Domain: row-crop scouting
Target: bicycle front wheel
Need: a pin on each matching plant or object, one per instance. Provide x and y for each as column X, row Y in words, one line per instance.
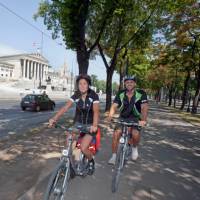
column 118, row 167
column 58, row 182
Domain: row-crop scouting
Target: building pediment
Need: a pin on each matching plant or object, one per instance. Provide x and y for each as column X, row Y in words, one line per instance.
column 38, row 56
column 34, row 56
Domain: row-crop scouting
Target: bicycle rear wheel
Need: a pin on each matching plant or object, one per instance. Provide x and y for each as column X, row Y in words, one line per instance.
column 118, row 168
column 58, row 182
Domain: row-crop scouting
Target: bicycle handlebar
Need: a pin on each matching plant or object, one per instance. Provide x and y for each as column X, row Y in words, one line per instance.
column 82, row 128
column 122, row 122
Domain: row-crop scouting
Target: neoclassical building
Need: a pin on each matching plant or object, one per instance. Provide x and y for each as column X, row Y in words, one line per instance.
column 30, row 71
column 6, row 70
column 27, row 66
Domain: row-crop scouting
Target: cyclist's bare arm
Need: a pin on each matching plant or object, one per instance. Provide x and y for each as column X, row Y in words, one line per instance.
column 112, row 110
column 60, row 113
column 95, row 117
column 144, row 113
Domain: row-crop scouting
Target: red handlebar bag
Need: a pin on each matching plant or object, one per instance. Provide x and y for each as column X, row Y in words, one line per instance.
column 95, row 144
column 98, row 139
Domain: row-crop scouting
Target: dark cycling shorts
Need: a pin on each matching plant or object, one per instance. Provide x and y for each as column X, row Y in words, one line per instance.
column 119, row 127
column 88, row 133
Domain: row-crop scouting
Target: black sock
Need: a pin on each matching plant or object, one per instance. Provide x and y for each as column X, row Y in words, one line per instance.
column 91, row 161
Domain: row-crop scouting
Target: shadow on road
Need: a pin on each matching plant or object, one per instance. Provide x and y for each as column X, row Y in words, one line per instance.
column 167, row 169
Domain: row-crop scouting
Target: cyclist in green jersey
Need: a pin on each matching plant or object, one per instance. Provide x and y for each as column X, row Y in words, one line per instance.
column 133, row 106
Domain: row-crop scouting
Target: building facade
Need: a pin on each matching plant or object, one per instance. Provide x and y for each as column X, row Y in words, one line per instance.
column 6, row 71
column 28, row 67
column 62, row 79
column 32, row 71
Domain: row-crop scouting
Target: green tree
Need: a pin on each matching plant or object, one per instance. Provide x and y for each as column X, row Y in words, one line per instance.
column 94, row 80
column 127, row 29
column 76, row 20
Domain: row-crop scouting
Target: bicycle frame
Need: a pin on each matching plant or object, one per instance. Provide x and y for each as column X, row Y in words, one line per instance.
column 121, row 153
column 123, row 141
column 78, row 167
column 58, row 182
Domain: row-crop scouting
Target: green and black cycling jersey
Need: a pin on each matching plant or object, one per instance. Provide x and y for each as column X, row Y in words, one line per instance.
column 132, row 109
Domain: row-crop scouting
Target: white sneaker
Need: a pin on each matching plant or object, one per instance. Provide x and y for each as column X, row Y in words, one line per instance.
column 134, row 153
column 112, row 159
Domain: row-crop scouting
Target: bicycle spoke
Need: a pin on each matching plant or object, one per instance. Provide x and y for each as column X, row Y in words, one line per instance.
column 117, row 169
column 58, row 182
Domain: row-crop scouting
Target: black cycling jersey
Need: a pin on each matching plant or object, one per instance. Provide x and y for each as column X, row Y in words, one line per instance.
column 132, row 109
column 84, row 109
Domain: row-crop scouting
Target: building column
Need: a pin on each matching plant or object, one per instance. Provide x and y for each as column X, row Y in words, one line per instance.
column 36, row 71
column 42, row 71
column 24, row 75
column 33, row 73
column 46, row 72
column 31, row 66
column 30, row 69
column 40, row 77
column 22, row 67
column 27, row 75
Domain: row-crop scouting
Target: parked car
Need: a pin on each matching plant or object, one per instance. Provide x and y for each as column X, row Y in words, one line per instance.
column 37, row 102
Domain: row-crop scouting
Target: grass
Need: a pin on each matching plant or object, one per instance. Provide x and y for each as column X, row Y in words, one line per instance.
column 187, row 116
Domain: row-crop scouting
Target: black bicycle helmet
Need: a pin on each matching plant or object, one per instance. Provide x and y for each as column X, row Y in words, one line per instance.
column 84, row 76
column 130, row 78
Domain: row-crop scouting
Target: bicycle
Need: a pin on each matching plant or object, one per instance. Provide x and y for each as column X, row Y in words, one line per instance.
column 123, row 152
column 68, row 167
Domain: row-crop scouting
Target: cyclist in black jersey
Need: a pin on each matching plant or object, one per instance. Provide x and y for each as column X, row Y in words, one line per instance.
column 87, row 113
column 133, row 106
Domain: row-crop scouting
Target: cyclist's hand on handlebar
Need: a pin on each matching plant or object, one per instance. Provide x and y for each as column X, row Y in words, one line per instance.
column 93, row 129
column 108, row 118
column 52, row 123
column 142, row 123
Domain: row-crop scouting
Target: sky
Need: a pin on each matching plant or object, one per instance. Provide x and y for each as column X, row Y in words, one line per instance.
column 16, row 37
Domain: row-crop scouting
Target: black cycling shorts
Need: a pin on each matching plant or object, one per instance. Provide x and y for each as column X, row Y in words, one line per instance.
column 92, row 134
column 119, row 126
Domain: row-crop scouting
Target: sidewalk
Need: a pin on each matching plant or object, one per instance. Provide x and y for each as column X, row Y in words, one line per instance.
column 168, row 167
column 187, row 116
column 26, row 160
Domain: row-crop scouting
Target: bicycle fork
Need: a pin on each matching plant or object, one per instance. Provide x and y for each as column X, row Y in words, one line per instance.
column 124, row 143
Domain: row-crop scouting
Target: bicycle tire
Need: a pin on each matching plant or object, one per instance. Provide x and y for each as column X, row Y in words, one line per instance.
column 117, row 169
column 59, row 178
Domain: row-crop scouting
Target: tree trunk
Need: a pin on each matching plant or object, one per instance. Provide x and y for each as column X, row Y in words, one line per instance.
column 121, row 76
column 189, row 100
column 175, row 95
column 197, row 94
column 110, row 72
column 83, row 59
column 166, row 94
column 81, row 49
column 170, row 95
column 185, row 90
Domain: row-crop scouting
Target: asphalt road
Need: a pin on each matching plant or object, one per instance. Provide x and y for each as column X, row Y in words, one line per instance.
column 167, row 169
column 15, row 121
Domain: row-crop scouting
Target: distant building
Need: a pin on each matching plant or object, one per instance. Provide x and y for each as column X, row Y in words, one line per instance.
column 27, row 67
column 31, row 71
column 61, row 79
column 6, row 70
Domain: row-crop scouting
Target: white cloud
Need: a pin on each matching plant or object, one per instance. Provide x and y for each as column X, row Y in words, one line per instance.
column 7, row 50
